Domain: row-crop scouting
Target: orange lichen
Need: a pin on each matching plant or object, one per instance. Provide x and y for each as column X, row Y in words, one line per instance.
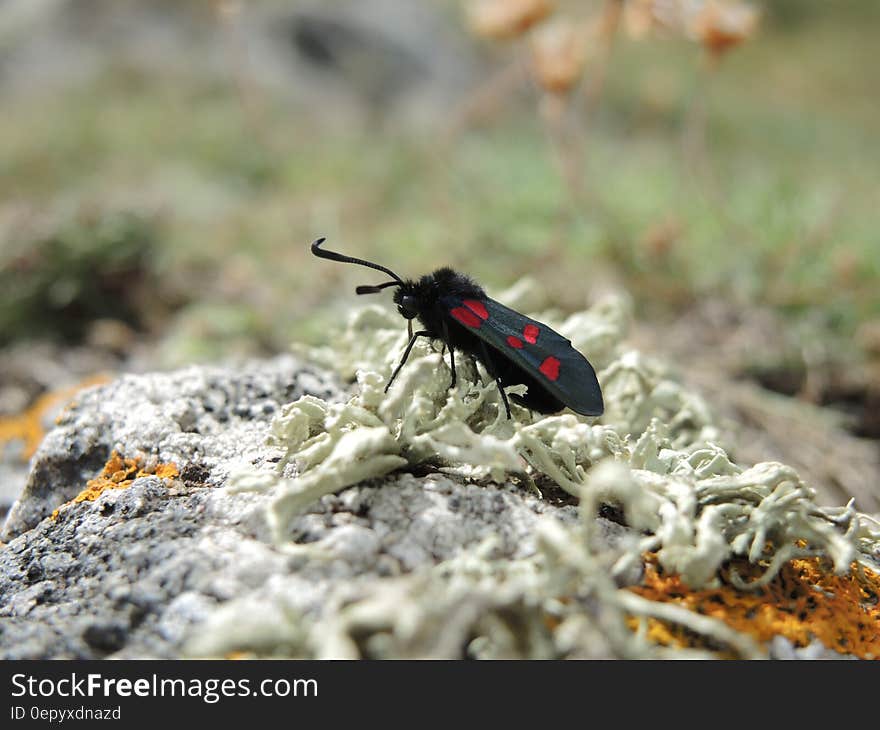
column 805, row 601
column 29, row 427
column 120, row 473
column 237, row 656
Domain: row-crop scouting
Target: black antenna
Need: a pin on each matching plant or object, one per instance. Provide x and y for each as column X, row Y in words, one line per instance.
column 333, row 256
column 364, row 289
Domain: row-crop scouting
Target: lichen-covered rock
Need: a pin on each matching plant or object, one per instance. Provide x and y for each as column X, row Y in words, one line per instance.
column 654, row 451
column 132, row 572
column 135, row 571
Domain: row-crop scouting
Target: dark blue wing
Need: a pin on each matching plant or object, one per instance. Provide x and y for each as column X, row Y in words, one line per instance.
column 546, row 355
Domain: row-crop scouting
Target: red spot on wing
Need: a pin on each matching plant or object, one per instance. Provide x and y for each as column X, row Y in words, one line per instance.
column 466, row 317
column 515, row 342
column 550, row 368
column 530, row 333
column 477, row 307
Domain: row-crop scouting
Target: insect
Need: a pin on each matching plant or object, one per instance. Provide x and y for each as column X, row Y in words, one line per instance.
column 514, row 349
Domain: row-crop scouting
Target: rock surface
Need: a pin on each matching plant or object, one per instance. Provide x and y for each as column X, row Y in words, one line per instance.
column 135, row 572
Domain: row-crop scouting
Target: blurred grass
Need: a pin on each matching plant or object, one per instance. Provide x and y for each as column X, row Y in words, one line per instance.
column 78, row 270
column 788, row 219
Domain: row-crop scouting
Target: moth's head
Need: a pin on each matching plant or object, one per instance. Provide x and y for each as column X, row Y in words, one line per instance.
column 407, row 302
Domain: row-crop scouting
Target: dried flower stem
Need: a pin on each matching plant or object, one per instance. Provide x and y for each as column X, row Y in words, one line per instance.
column 595, row 83
column 252, row 100
column 485, row 101
column 566, row 141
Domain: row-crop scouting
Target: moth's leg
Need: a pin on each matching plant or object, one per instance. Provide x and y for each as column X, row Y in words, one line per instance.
column 409, row 347
column 487, row 359
column 446, row 341
column 452, row 364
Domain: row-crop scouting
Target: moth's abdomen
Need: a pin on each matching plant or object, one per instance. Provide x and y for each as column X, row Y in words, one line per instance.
column 538, row 398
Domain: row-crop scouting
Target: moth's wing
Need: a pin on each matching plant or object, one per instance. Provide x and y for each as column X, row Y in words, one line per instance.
column 533, row 346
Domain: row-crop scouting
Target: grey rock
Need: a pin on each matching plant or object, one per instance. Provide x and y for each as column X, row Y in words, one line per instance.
column 203, row 419
column 28, row 370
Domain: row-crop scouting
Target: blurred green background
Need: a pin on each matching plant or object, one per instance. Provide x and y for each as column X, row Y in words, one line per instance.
column 164, row 166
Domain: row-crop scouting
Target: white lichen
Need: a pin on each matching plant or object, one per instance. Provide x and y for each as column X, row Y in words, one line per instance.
column 654, row 454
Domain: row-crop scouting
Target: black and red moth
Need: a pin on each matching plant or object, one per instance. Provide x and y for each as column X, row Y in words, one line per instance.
column 513, row 348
